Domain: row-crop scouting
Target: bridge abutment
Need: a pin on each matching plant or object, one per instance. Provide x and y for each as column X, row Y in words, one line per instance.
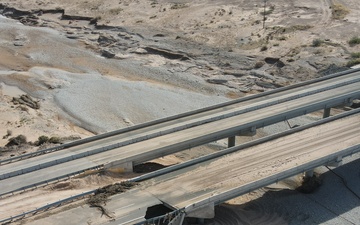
column 119, row 167
column 309, row 173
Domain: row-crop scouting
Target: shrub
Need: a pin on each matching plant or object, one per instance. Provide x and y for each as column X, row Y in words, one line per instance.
column 317, row 42
column 355, row 55
column 54, row 140
column 41, row 140
column 18, row 140
column 354, row 41
column 353, row 62
column 264, row 48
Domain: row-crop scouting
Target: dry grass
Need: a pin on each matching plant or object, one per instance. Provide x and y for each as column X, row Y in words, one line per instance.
column 339, row 11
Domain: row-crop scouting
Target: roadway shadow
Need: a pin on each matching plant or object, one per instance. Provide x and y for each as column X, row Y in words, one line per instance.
column 331, row 203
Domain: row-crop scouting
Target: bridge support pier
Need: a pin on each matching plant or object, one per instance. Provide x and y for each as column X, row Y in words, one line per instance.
column 336, row 163
column 309, row 173
column 326, row 112
column 248, row 132
column 231, row 141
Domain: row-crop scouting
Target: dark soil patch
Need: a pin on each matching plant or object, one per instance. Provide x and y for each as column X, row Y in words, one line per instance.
column 148, row 167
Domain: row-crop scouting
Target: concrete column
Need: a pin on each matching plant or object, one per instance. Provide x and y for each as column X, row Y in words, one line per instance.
column 326, row 112
column 231, row 142
column 309, row 173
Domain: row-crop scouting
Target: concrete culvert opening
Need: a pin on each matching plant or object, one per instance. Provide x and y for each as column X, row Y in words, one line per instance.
column 157, row 210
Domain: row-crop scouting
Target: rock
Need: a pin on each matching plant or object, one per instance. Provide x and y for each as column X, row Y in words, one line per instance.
column 105, row 40
column 333, row 68
column 26, row 100
column 261, row 74
column 274, row 61
column 107, row 53
column 139, row 51
column 159, row 35
column 259, row 64
column 124, row 35
column 169, row 54
column 234, row 73
column 265, row 84
column 217, row 81
column 19, row 43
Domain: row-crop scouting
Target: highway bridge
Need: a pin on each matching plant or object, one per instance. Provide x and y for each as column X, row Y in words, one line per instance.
column 134, row 145
column 194, row 191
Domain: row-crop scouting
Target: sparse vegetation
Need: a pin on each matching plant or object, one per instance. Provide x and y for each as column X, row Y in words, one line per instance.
column 353, row 62
column 339, row 11
column 354, row 41
column 355, row 55
column 41, row 140
column 317, row 42
column 300, row 27
column 54, row 140
column 355, row 59
column 178, row 6
column 18, row 140
column 8, row 134
column 115, row 11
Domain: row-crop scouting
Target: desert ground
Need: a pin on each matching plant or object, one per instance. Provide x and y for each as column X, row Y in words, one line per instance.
column 72, row 69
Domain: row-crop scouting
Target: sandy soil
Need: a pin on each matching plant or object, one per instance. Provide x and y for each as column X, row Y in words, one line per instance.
column 146, row 59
